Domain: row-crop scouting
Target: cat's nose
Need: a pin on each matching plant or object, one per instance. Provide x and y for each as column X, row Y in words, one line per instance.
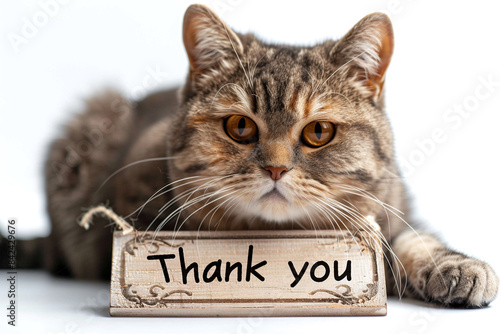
column 276, row 172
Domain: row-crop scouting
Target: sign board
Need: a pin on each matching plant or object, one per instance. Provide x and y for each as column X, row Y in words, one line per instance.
column 247, row 273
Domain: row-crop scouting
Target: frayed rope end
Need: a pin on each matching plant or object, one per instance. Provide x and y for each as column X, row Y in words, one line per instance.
column 106, row 213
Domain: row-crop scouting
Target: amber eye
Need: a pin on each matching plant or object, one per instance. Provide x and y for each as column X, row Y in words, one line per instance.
column 241, row 129
column 318, row 133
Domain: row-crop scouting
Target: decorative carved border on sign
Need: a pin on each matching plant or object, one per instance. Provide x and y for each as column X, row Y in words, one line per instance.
column 153, row 244
column 132, row 295
column 346, row 297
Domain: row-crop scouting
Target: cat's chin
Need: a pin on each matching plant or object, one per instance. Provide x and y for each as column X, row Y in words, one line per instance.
column 274, row 207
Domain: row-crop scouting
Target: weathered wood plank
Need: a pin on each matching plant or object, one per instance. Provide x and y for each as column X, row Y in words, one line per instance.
column 247, row 273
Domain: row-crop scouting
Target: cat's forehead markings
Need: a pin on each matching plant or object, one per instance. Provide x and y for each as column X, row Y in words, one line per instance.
column 314, row 105
column 299, row 103
column 232, row 98
column 294, row 100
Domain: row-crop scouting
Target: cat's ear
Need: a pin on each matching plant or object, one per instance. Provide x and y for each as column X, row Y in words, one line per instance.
column 211, row 46
column 367, row 49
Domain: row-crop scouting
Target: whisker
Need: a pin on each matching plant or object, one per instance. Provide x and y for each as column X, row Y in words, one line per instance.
column 238, row 56
column 362, row 193
column 220, row 89
column 202, row 207
column 343, row 215
column 160, row 193
column 130, row 165
column 361, row 222
column 212, row 210
column 338, row 69
column 315, row 85
column 206, row 188
column 252, row 74
column 230, row 208
column 173, row 201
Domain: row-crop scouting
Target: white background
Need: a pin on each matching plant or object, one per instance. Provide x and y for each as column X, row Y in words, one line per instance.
column 443, row 51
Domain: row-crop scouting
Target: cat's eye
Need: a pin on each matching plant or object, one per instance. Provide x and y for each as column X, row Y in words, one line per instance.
column 241, row 129
column 318, row 133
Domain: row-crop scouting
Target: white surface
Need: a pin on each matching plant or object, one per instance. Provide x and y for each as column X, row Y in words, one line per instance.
column 442, row 50
column 49, row 305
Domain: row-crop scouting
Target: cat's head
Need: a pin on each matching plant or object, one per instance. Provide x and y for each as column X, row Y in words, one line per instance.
column 281, row 133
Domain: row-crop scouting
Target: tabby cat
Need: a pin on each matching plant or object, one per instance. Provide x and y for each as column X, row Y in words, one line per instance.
column 261, row 136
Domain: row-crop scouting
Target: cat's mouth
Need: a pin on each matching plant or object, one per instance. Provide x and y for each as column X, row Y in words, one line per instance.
column 274, row 195
column 276, row 206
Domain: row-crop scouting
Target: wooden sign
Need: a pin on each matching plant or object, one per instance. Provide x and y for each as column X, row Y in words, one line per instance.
column 247, row 273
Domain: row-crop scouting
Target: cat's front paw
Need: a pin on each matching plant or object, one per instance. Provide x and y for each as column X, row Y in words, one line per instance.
column 458, row 281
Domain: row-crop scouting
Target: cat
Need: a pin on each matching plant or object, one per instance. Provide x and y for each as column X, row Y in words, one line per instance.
column 261, row 136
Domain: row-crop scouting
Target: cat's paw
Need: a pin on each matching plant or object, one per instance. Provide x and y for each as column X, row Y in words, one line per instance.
column 459, row 281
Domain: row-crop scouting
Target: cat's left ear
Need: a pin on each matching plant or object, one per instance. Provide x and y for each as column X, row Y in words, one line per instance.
column 367, row 49
column 210, row 44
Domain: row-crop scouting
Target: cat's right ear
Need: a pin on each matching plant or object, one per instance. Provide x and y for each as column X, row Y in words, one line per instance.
column 211, row 46
column 367, row 49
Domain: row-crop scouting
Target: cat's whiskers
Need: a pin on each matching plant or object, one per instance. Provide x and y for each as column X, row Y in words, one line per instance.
column 310, row 219
column 203, row 187
column 351, row 214
column 359, row 221
column 130, row 165
column 338, row 69
column 339, row 94
column 396, row 212
column 249, row 79
column 221, row 88
column 174, row 200
column 242, row 205
column 352, row 209
column 330, row 214
column 206, row 187
column 250, row 83
column 160, row 193
column 229, row 209
column 252, row 74
column 316, row 85
column 194, row 201
column 232, row 204
column 298, row 223
column 373, row 197
column 213, row 211
column 335, row 212
column 222, row 190
column 235, row 104
column 322, row 210
column 366, row 194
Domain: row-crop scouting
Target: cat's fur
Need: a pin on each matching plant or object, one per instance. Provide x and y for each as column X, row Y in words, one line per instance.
column 282, row 89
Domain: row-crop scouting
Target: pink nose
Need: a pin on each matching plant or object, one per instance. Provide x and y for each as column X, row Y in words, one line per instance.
column 276, row 172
